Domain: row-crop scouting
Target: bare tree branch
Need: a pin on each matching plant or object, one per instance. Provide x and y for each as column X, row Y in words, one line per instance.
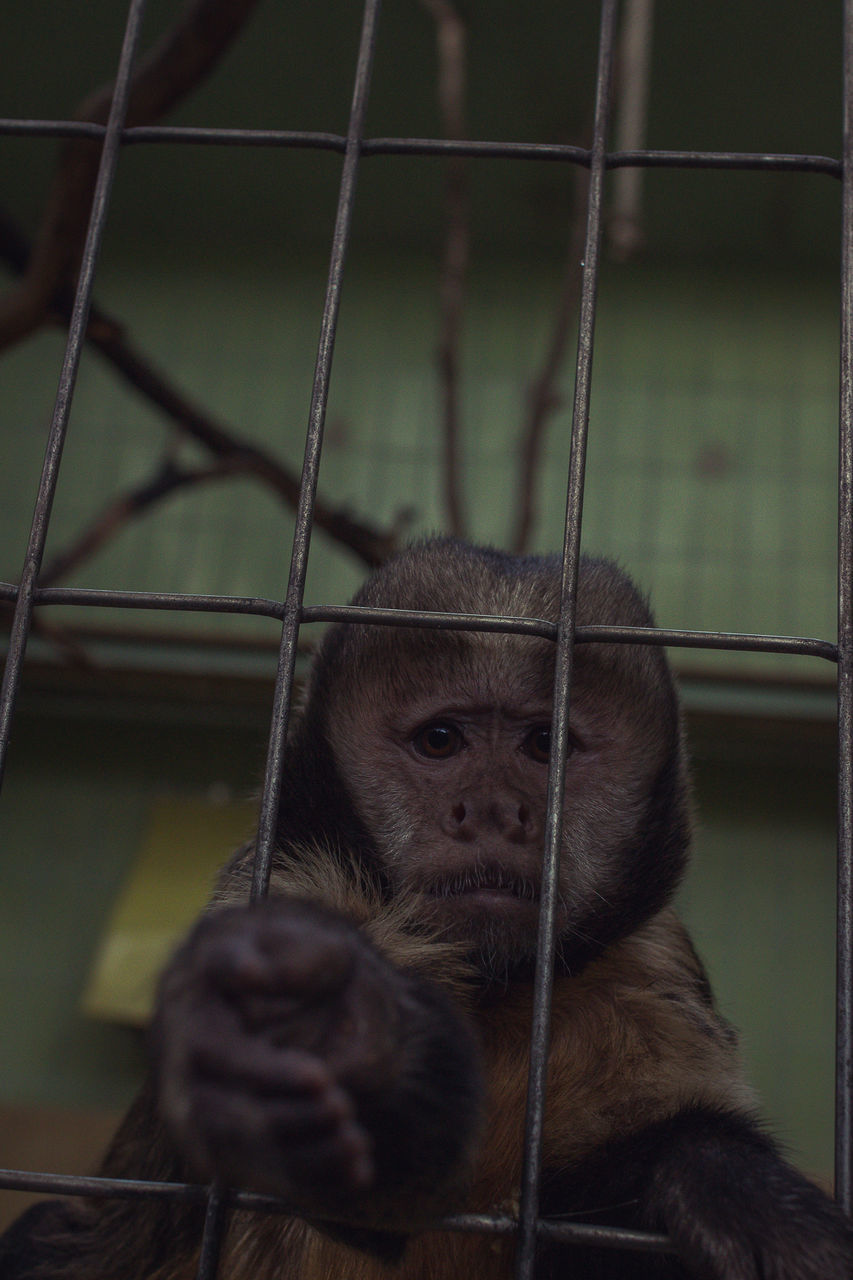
column 543, row 398
column 371, row 544
column 68, row 646
column 451, row 42
column 172, row 68
column 626, row 237
column 176, row 64
column 632, row 79
column 120, row 511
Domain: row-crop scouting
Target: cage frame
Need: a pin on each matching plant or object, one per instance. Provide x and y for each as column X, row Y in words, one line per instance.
column 26, row 596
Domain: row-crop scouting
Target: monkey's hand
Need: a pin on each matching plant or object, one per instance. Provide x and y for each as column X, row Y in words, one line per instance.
column 293, row 1059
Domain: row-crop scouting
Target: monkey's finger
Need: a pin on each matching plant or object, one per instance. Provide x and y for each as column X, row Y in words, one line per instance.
column 234, row 1114
column 261, row 1068
column 283, row 1145
column 278, row 956
column 343, row 1158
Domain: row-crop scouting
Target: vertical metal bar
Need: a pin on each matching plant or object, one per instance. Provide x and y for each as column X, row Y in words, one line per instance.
column 216, row 1218
column 22, row 619
column 214, row 1232
column 540, row 1031
column 844, row 1017
column 311, row 464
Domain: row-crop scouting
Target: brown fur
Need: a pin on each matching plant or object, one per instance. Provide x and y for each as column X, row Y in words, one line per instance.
column 634, row 1040
column 635, row 1037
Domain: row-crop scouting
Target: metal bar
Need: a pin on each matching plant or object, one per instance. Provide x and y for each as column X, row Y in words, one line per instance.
column 18, row 128
column 165, row 601
column 215, row 1220
column 257, row 606
column 66, row 1184
column 217, row 1208
column 540, row 1026
column 72, row 1184
column 68, row 376
column 844, row 1014
column 164, row 135
column 292, row 613
column 314, row 438
column 743, row 642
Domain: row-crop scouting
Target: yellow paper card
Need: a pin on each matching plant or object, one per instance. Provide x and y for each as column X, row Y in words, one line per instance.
column 169, row 883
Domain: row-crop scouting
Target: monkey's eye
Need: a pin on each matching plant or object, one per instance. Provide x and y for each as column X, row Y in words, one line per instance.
column 537, row 744
column 438, row 741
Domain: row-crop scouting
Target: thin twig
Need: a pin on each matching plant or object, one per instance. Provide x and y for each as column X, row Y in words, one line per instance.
column 632, row 79
column 451, row 43
column 371, row 544
column 176, row 65
column 121, row 510
column 625, row 235
column 543, row 397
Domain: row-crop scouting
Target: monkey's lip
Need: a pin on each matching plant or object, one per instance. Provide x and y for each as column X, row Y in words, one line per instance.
column 488, row 885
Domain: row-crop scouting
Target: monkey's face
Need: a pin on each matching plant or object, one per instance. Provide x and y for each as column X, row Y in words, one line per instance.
column 448, row 768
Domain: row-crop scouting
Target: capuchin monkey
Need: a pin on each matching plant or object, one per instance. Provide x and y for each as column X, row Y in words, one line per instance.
column 357, row 1044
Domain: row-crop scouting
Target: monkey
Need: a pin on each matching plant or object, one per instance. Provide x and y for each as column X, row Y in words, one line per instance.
column 357, row 1044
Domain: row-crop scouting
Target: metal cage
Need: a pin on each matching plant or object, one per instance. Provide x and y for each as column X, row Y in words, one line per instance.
column 27, row 595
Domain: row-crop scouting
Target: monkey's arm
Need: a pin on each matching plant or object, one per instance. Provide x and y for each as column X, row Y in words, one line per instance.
column 716, row 1184
column 294, row 1059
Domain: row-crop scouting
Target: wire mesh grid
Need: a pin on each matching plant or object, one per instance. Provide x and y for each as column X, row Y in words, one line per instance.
column 292, row 613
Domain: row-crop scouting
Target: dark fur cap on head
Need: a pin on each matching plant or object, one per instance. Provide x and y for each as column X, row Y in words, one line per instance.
column 446, row 575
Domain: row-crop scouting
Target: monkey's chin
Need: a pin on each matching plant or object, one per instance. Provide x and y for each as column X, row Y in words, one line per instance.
column 499, row 928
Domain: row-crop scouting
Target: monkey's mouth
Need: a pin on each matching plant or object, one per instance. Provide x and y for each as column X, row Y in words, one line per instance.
column 484, row 884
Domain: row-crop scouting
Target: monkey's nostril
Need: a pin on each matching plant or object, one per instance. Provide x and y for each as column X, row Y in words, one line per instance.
column 523, row 815
column 458, row 812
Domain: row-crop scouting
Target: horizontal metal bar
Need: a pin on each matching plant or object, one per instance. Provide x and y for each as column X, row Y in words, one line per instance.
column 743, row 642
column 472, row 148
column 739, row 642
column 429, row 619
column 562, row 1232
column 612, row 159
column 15, row 128
column 605, row 1237
column 66, row 1184
column 258, row 606
column 168, row 601
column 315, row 140
column 745, row 160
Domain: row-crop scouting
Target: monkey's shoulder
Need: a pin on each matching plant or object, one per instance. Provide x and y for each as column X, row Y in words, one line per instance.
column 634, row 1039
column 639, row 1034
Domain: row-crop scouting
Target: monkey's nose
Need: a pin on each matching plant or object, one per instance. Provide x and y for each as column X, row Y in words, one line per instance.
column 473, row 818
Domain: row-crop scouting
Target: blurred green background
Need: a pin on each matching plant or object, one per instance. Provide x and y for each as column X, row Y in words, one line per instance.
column 712, row 456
